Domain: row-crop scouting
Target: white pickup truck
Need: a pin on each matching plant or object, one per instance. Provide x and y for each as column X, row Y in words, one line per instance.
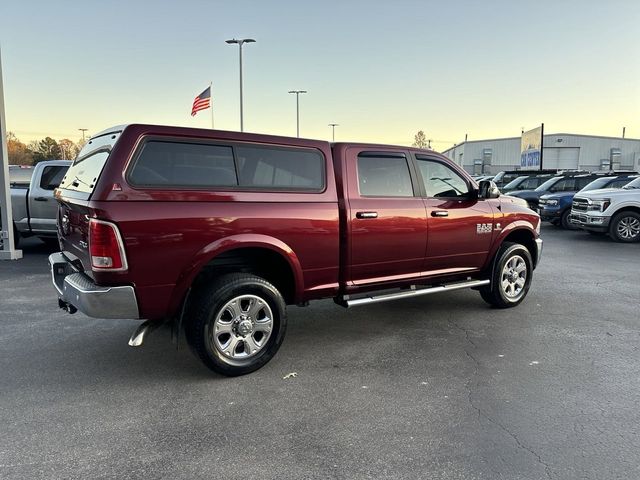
column 32, row 203
column 613, row 210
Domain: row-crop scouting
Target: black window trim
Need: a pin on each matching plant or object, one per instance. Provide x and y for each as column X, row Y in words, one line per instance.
column 390, row 154
column 431, row 158
column 143, row 140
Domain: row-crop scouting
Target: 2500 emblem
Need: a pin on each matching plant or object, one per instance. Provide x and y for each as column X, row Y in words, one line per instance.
column 484, row 227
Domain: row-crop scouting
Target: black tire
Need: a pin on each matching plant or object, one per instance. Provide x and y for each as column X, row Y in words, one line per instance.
column 495, row 294
column 565, row 220
column 211, row 307
column 625, row 227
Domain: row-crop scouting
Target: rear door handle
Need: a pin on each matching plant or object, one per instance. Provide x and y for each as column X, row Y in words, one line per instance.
column 439, row 213
column 367, row 215
column 41, row 199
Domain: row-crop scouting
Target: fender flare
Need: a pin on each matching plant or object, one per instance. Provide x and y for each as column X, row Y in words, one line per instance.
column 508, row 230
column 234, row 242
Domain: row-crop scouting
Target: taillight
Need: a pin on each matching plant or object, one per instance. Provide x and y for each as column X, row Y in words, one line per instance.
column 105, row 246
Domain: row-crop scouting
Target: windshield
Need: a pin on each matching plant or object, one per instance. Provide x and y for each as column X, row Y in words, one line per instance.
column 515, row 183
column 633, row 185
column 548, row 184
column 597, row 184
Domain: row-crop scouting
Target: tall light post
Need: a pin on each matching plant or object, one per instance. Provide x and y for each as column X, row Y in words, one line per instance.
column 297, row 92
column 333, row 131
column 241, row 42
column 83, row 130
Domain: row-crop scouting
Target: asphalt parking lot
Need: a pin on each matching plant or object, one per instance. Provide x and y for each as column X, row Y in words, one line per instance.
column 439, row 387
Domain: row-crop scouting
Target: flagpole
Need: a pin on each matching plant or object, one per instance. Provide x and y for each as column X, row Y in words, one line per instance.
column 211, row 104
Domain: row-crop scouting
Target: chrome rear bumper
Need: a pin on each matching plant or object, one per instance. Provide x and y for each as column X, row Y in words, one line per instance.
column 77, row 289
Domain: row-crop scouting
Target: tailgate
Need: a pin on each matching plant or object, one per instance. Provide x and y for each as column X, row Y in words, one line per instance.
column 73, row 232
column 74, row 194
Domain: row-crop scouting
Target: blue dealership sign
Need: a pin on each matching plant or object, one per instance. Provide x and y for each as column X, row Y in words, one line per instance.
column 530, row 159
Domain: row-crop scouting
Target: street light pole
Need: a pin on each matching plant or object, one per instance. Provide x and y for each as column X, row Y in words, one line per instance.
column 83, row 130
column 297, row 92
column 333, row 131
column 241, row 42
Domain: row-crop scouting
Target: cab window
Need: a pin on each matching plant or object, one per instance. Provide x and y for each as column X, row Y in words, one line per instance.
column 441, row 181
column 384, row 176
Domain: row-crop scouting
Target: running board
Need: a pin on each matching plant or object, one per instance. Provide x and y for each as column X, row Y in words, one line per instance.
column 346, row 301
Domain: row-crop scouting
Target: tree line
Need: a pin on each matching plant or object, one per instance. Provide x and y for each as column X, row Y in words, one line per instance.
column 39, row 150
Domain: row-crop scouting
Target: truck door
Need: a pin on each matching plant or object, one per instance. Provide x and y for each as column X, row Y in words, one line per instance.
column 43, row 208
column 460, row 225
column 387, row 231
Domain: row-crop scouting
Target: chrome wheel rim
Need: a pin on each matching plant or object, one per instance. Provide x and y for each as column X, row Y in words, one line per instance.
column 628, row 228
column 241, row 328
column 514, row 277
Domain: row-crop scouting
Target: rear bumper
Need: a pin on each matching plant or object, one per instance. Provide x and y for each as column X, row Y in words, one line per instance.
column 77, row 289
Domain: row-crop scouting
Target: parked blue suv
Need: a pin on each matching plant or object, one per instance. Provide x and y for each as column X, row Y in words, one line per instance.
column 556, row 207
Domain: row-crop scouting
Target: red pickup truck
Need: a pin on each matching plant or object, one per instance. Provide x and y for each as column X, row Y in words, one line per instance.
column 219, row 231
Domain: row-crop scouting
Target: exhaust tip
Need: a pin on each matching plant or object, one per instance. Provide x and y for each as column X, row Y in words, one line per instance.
column 140, row 333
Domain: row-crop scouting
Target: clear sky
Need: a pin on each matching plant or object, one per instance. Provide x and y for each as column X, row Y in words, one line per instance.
column 381, row 69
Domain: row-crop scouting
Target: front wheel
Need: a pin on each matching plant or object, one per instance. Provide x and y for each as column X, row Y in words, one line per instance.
column 565, row 220
column 625, row 227
column 237, row 324
column 511, row 276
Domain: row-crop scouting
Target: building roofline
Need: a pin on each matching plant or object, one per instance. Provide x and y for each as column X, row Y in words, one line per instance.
column 546, row 135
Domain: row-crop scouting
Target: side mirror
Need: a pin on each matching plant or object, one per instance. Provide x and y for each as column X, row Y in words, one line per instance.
column 488, row 189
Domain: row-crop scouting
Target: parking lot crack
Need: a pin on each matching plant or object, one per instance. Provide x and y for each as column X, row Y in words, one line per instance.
column 481, row 413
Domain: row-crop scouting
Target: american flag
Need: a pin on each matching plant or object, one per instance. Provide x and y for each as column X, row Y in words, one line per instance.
column 202, row 101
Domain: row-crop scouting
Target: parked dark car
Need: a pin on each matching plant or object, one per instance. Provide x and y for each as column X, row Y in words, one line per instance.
column 556, row 207
column 567, row 182
column 506, row 176
column 526, row 182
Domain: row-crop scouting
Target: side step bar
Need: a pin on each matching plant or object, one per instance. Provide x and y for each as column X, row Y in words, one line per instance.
column 347, row 302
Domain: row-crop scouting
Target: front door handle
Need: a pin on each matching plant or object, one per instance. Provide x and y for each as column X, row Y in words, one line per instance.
column 439, row 213
column 367, row 215
column 41, row 199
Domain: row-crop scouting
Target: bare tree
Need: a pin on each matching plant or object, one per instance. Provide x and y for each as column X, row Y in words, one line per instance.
column 420, row 140
column 68, row 149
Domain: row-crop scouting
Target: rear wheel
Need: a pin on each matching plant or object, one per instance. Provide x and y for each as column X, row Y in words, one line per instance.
column 625, row 227
column 236, row 324
column 511, row 277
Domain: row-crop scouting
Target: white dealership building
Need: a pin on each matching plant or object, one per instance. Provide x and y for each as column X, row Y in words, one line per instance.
column 561, row 150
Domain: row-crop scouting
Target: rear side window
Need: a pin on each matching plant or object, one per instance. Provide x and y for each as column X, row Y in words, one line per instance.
column 384, row 176
column 184, row 164
column 279, row 168
column 51, row 177
column 177, row 164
